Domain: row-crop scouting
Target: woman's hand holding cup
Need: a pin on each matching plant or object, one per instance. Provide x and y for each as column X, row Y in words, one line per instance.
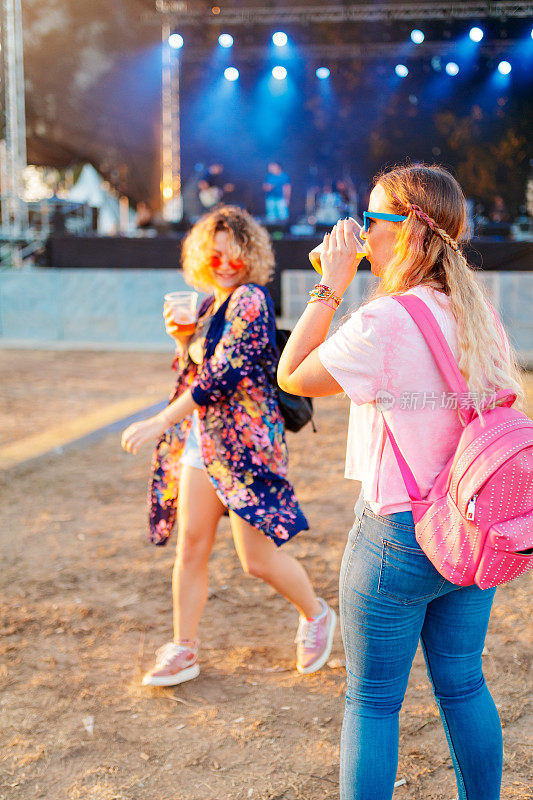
column 341, row 255
column 179, row 313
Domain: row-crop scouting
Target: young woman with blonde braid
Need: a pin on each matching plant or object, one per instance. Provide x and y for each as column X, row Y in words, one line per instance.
column 222, row 445
column 390, row 594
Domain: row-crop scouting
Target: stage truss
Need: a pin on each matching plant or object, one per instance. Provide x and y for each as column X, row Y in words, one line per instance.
column 171, row 198
column 13, row 147
column 189, row 14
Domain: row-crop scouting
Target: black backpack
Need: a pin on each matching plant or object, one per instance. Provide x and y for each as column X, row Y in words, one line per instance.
column 296, row 411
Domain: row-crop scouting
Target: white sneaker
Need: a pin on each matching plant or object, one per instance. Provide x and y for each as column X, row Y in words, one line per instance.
column 314, row 640
column 175, row 663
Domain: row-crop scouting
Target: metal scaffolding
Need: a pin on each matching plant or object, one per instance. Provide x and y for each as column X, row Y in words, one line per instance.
column 13, row 152
column 171, row 199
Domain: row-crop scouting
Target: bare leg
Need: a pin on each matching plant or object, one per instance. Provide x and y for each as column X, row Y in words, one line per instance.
column 199, row 511
column 260, row 557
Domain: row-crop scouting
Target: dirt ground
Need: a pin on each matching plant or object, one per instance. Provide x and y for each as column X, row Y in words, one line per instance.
column 86, row 600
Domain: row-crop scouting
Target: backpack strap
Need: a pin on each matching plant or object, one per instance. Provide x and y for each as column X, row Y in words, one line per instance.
column 408, row 478
column 430, row 330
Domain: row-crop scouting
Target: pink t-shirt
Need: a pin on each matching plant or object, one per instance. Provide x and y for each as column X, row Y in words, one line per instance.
column 380, row 358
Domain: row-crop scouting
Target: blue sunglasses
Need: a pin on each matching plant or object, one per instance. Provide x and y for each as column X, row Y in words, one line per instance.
column 368, row 215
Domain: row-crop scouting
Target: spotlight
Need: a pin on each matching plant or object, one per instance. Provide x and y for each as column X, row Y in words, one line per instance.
column 175, row 40
column 476, row 34
column 401, row 70
column 231, row 73
column 279, row 73
column 532, row 33
column 280, row 39
column 417, row 36
column 504, row 68
column 322, row 73
column 452, row 68
column 225, row 40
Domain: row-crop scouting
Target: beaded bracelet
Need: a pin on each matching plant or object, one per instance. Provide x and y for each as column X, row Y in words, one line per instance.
column 324, row 303
column 322, row 292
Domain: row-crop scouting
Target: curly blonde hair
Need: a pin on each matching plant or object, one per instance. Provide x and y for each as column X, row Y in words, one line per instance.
column 427, row 252
column 248, row 241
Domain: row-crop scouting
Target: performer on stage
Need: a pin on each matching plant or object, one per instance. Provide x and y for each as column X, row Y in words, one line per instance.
column 277, row 188
column 213, row 187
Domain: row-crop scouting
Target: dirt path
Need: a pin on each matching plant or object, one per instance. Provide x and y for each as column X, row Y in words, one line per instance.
column 86, row 599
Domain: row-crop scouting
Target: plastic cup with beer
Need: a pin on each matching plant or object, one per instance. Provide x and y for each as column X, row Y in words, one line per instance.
column 183, row 306
column 315, row 256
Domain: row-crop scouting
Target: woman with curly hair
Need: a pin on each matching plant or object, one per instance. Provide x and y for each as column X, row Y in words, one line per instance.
column 391, row 595
column 222, row 445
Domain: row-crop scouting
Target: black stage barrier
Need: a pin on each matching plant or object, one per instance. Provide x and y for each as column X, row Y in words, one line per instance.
column 162, row 252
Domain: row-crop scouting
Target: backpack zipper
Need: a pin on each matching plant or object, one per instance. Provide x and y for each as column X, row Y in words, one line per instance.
column 471, row 508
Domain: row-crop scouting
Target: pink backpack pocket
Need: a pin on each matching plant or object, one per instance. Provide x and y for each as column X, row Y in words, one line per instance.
column 504, row 556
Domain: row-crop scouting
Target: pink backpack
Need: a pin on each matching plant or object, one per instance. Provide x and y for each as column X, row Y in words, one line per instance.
column 476, row 524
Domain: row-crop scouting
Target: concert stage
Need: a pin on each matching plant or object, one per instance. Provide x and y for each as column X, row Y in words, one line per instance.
column 162, row 252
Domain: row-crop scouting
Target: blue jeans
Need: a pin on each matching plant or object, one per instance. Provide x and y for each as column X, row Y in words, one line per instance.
column 391, row 597
column 277, row 209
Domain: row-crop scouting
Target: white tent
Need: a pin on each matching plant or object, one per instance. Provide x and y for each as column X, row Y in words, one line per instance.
column 91, row 189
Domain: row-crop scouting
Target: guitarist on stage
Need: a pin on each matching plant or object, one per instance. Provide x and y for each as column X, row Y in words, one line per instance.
column 212, row 188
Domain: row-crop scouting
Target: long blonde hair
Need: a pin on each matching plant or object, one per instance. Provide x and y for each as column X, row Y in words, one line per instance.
column 249, row 241
column 427, row 252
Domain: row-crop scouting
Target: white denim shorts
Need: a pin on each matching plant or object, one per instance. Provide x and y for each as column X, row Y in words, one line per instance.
column 192, row 455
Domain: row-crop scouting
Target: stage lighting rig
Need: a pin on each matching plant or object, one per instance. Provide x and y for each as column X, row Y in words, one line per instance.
column 280, row 39
column 175, row 40
column 225, row 40
column 476, row 34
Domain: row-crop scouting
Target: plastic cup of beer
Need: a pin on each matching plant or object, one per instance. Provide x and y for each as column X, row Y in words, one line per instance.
column 315, row 256
column 183, row 305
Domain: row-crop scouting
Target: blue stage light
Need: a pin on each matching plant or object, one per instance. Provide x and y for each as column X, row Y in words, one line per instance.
column 175, row 40
column 279, row 73
column 504, row 68
column 452, row 68
column 280, row 39
column 231, row 73
column 401, row 70
column 532, row 33
column 225, row 40
column 417, row 36
column 476, row 34
column 322, row 73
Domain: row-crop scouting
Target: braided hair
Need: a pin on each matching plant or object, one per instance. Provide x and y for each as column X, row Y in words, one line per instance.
column 446, row 238
column 427, row 252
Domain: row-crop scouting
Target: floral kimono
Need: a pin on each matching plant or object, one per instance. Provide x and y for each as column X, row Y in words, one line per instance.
column 242, row 438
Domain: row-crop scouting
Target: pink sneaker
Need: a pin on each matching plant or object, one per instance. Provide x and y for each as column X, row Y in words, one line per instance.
column 314, row 640
column 175, row 663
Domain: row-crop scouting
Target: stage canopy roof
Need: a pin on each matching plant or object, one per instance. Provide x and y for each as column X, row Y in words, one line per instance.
column 93, row 69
